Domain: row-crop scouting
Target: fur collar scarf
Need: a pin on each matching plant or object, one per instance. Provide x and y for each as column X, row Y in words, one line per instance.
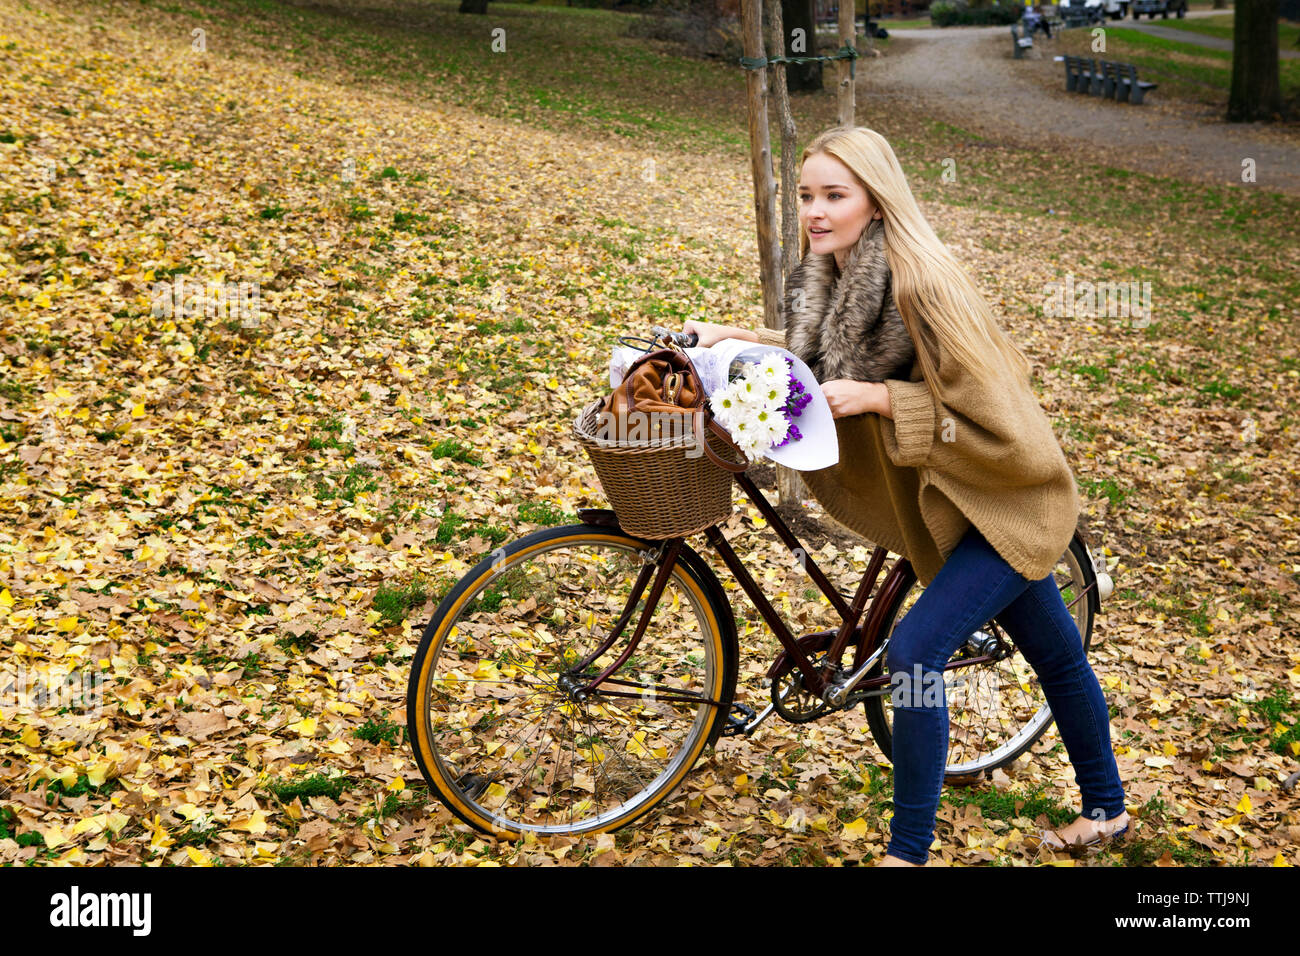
column 847, row 326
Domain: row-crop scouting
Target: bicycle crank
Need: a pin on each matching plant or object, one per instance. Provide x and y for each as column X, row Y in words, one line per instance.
column 793, row 702
column 789, row 697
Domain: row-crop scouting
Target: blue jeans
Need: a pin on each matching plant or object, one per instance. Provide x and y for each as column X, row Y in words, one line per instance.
column 974, row 585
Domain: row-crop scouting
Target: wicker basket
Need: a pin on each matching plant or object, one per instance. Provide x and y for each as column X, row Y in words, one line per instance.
column 663, row 488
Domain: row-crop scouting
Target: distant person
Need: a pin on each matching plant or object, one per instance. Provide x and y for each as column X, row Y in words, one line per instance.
column 1042, row 20
column 1034, row 20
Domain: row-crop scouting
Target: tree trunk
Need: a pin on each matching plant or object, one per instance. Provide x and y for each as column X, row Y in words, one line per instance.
column 798, row 15
column 789, row 486
column 1256, row 93
column 848, row 34
column 760, row 158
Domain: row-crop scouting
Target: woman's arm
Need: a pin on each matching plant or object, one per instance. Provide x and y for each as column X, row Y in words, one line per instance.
column 711, row 333
column 846, row 396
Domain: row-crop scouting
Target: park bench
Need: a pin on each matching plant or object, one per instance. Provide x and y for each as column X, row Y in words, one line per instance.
column 1020, row 41
column 1124, row 83
column 1079, row 73
column 1117, row 81
column 863, row 26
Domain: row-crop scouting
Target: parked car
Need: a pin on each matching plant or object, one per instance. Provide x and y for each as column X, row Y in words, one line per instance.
column 1094, row 11
column 1162, row 7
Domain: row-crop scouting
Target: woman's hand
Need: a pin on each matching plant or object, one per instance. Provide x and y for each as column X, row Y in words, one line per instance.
column 848, row 397
column 711, row 333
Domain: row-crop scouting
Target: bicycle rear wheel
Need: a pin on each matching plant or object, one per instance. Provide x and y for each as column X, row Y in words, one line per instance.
column 498, row 721
column 996, row 710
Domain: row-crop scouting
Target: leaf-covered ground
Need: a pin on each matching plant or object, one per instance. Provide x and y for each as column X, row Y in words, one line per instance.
column 241, row 524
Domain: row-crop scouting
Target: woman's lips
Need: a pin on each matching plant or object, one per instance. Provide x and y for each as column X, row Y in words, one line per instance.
column 817, row 232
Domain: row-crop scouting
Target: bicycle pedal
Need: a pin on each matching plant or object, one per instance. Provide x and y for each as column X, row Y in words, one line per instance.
column 738, row 719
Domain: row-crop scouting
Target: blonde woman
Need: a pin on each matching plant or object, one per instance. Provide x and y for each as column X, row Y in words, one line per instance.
column 946, row 457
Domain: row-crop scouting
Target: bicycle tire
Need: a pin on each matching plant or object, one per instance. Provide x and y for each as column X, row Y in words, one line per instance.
column 687, row 651
column 1076, row 565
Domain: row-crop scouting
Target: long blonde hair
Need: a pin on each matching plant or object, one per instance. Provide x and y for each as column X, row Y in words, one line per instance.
column 934, row 294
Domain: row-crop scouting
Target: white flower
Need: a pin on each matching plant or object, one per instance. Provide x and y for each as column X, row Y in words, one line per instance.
column 730, row 402
column 749, row 406
column 776, row 392
column 772, row 367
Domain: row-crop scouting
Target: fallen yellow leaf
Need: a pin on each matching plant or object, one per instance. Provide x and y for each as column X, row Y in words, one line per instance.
column 856, row 830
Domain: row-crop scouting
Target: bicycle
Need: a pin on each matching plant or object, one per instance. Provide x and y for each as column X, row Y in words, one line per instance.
column 527, row 712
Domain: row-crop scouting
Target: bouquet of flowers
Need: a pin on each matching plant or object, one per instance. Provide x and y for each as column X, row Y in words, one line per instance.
column 759, row 403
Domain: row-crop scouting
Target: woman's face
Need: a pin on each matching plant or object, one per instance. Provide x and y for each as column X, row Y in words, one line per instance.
column 832, row 199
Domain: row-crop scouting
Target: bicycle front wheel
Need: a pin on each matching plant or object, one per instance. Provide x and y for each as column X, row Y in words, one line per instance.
column 996, row 710
column 500, row 724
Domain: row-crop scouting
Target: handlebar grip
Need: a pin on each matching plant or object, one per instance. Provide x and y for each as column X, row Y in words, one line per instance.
column 684, row 339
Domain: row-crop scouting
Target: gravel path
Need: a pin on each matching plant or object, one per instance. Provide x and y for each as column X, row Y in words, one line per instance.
column 968, row 77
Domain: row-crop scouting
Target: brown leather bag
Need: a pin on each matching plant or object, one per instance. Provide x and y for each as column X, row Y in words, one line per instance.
column 664, row 387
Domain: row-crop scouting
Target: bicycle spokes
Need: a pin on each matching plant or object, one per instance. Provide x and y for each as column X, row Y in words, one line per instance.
column 524, row 733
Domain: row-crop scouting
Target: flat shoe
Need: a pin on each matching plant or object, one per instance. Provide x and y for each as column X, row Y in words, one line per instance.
column 1054, row 840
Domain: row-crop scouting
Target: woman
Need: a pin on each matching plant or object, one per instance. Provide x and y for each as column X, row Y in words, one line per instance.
column 945, row 457
column 1035, row 20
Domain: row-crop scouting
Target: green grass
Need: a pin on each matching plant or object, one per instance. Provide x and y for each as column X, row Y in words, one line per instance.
column 394, row 604
column 456, row 451
column 80, row 787
column 305, row 788
column 1221, row 26
column 327, row 435
column 1094, row 372
column 429, row 48
column 374, row 731
column 539, row 512
column 1279, row 708
column 1159, row 836
column 1103, row 488
column 346, row 485
column 1006, row 805
column 917, row 23
column 509, row 587
column 449, row 526
column 1141, row 201
column 9, row 830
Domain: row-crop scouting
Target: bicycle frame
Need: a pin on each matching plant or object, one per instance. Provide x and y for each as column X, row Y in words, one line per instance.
column 824, row 681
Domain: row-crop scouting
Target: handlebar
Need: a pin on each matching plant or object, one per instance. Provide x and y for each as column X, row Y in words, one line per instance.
column 660, row 338
column 684, row 339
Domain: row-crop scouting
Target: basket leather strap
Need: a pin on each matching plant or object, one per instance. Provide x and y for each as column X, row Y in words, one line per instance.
column 698, row 424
